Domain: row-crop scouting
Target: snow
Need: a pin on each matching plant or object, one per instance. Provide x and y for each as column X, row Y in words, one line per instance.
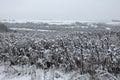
column 41, row 21
column 113, row 23
column 45, row 30
column 49, row 21
column 107, row 28
column 28, row 29
column 25, row 77
column 84, row 26
column 31, row 73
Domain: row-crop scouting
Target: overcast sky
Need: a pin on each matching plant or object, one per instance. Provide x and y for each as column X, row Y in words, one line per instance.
column 60, row 9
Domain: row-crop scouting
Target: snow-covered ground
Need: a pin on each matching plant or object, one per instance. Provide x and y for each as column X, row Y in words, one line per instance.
column 49, row 21
column 31, row 73
column 28, row 29
column 41, row 21
column 107, row 28
column 113, row 23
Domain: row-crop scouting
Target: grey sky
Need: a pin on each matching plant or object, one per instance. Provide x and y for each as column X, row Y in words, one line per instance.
column 60, row 9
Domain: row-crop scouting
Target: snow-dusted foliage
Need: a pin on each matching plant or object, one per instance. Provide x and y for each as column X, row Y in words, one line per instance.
column 89, row 55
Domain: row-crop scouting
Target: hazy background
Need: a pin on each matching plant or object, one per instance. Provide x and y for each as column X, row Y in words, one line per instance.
column 60, row 9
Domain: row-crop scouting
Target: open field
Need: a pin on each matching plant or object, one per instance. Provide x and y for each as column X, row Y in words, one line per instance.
column 76, row 51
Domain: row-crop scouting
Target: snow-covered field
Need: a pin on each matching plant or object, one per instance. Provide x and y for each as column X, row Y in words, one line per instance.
column 27, row 29
column 49, row 21
column 59, row 22
column 31, row 73
column 38, row 54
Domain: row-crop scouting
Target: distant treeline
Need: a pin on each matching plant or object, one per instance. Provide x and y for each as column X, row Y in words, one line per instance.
column 76, row 26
